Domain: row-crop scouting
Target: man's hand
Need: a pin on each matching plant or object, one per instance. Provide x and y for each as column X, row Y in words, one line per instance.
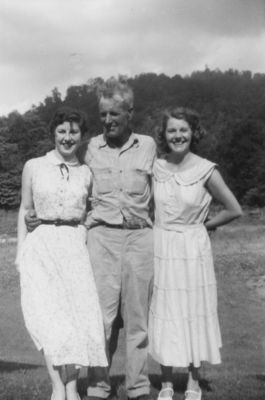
column 31, row 220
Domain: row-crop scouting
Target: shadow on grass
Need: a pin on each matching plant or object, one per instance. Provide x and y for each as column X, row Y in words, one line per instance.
column 118, row 384
column 116, row 381
column 9, row 366
column 260, row 377
column 179, row 381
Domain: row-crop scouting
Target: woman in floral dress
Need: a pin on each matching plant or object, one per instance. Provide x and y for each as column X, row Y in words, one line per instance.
column 58, row 294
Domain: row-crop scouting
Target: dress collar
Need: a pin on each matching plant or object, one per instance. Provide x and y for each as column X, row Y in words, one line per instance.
column 55, row 160
column 185, row 178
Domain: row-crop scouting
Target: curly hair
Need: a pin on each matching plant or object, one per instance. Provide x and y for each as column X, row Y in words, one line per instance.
column 116, row 87
column 188, row 115
column 68, row 114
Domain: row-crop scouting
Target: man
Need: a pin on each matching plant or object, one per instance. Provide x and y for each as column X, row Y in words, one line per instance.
column 120, row 239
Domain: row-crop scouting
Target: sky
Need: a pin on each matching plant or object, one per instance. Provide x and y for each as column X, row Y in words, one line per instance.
column 58, row 43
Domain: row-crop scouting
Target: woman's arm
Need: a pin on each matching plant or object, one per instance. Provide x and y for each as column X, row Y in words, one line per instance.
column 220, row 192
column 25, row 205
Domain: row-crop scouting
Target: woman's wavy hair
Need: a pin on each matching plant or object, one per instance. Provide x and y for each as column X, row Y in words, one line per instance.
column 188, row 115
column 68, row 114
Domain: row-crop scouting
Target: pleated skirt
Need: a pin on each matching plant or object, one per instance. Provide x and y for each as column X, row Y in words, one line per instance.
column 183, row 320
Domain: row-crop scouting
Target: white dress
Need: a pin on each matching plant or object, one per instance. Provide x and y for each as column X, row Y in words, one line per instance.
column 58, row 293
column 183, row 320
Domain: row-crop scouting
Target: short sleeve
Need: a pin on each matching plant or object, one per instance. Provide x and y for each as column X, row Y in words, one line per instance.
column 88, row 176
column 150, row 151
column 211, row 167
column 88, row 154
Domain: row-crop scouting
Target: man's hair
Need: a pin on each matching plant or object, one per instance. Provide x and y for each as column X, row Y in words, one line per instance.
column 113, row 87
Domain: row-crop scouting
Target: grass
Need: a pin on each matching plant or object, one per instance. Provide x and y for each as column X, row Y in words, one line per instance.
column 8, row 225
column 239, row 261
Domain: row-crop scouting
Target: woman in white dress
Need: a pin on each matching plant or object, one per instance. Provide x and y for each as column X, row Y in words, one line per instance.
column 183, row 324
column 58, row 294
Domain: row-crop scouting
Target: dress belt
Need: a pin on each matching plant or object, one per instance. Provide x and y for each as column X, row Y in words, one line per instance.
column 179, row 227
column 60, row 222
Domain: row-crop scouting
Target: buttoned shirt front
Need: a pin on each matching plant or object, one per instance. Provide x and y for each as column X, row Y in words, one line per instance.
column 121, row 189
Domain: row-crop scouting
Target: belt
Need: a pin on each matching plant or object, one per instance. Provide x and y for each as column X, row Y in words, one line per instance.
column 128, row 225
column 60, row 222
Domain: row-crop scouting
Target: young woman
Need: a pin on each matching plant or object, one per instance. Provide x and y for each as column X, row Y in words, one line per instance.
column 58, row 293
column 183, row 323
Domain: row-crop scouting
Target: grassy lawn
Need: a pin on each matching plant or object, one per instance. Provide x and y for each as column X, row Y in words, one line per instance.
column 239, row 251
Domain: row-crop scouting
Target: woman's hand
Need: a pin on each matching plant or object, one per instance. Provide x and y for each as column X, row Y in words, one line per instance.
column 210, row 229
column 31, row 220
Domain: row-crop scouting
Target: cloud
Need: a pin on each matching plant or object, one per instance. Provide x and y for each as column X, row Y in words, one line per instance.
column 48, row 43
column 219, row 18
column 244, row 51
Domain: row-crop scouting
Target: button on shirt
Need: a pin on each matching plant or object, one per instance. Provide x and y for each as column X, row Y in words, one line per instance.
column 121, row 180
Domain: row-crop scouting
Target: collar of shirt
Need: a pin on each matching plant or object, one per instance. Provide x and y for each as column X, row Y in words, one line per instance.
column 132, row 141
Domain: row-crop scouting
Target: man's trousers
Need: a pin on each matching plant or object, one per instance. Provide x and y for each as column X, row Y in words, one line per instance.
column 122, row 261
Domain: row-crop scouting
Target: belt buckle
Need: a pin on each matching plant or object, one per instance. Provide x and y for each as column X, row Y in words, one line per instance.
column 128, row 225
column 57, row 222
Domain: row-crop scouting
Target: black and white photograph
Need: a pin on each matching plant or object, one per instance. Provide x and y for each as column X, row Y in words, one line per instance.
column 132, row 200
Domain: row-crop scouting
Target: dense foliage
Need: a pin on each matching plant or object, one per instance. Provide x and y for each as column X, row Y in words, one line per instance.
column 231, row 103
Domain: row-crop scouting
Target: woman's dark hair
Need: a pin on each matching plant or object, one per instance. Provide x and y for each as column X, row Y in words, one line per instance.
column 188, row 115
column 68, row 114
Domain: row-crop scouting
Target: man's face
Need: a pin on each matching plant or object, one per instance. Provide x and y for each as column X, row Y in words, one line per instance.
column 114, row 116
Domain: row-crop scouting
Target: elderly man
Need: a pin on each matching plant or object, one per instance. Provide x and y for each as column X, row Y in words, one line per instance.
column 120, row 238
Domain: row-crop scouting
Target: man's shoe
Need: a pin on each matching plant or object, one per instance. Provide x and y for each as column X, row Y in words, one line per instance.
column 167, row 392
column 193, row 395
column 110, row 397
column 93, row 398
column 142, row 397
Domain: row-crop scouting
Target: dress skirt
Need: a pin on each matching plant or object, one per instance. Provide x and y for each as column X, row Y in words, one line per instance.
column 183, row 321
column 59, row 299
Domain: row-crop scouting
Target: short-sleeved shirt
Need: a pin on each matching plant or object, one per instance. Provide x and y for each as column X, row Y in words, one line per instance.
column 121, row 189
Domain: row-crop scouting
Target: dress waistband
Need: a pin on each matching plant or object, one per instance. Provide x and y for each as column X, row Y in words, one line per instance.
column 60, row 222
column 179, row 227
